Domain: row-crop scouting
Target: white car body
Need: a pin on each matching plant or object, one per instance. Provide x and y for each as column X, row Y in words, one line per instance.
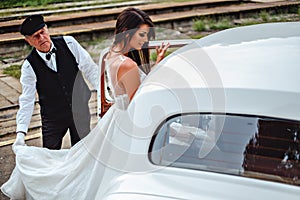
column 245, row 71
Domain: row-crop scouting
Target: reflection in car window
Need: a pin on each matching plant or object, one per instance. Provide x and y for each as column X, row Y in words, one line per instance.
column 249, row 146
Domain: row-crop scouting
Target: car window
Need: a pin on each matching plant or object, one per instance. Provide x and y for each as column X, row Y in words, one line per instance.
column 249, row 146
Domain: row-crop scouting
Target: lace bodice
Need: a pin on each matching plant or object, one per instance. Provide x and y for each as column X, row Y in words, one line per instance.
column 112, row 65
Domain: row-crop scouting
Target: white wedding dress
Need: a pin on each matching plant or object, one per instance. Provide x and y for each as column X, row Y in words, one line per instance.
column 75, row 173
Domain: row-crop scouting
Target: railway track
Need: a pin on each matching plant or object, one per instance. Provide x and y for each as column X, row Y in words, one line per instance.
column 63, row 8
column 97, row 22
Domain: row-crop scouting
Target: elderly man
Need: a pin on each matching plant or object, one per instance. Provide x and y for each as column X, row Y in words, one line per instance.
column 54, row 69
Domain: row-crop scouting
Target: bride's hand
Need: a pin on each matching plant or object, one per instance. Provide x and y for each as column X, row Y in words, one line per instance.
column 161, row 51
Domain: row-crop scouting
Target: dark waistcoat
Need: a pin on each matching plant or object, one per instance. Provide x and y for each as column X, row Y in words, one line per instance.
column 63, row 91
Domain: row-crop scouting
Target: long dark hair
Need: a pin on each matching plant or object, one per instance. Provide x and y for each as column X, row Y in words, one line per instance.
column 128, row 21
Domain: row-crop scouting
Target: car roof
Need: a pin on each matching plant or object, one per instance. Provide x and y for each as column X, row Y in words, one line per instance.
column 243, row 57
column 257, row 64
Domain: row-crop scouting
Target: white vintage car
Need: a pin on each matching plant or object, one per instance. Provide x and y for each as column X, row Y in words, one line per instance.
column 217, row 119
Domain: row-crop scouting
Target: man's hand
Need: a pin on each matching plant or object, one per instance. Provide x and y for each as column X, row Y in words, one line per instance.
column 20, row 139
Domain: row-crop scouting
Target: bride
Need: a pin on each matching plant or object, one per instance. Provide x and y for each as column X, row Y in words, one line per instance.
column 77, row 173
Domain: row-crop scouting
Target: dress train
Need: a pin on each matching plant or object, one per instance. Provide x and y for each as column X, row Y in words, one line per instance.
column 75, row 173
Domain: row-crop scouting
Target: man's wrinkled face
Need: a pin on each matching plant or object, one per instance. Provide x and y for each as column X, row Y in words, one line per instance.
column 40, row 40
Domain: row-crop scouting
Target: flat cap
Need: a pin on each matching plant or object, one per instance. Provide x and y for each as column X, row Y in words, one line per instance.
column 32, row 24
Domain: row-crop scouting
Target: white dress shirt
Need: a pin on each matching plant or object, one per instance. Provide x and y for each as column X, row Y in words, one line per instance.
column 28, row 79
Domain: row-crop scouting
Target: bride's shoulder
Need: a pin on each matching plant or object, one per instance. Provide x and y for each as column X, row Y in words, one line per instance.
column 128, row 64
column 127, row 67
